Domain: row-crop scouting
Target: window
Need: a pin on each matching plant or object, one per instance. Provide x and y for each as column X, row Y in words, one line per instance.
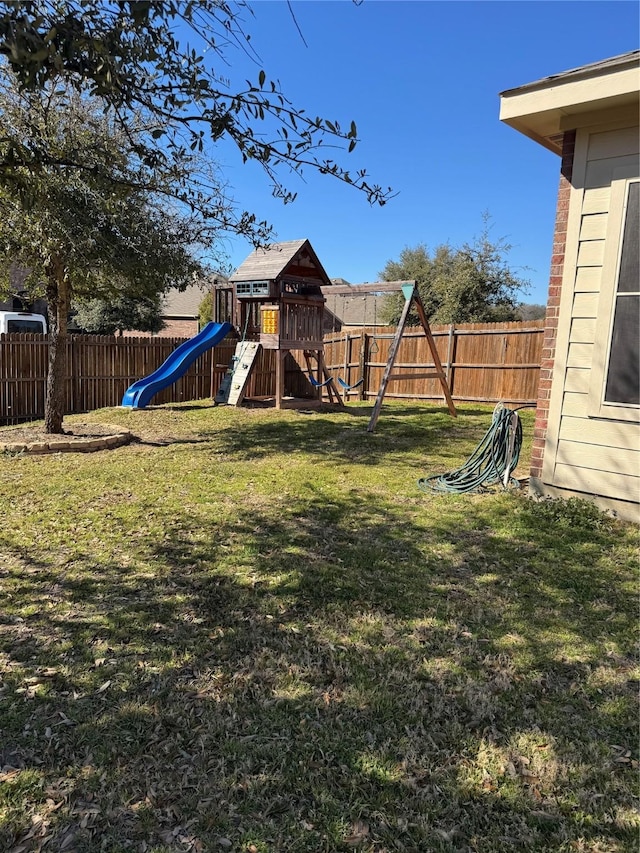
column 31, row 327
column 615, row 377
column 252, row 288
column 623, row 374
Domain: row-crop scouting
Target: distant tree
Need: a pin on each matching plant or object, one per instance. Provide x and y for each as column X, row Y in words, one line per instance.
column 119, row 314
column 113, row 227
column 469, row 284
column 205, row 310
column 531, row 311
column 131, row 55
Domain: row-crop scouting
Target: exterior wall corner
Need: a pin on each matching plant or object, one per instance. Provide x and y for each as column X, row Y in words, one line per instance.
column 553, row 302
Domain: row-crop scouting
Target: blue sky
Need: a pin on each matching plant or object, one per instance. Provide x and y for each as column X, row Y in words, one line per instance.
column 422, row 82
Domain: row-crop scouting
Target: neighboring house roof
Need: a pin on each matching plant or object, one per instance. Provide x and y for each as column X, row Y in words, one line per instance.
column 546, row 108
column 363, row 310
column 295, row 256
column 185, row 304
column 18, row 298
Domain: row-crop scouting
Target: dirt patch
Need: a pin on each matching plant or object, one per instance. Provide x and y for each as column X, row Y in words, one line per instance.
column 80, row 438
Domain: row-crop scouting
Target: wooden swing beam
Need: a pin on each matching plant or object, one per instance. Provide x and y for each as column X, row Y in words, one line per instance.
column 356, row 289
column 412, row 297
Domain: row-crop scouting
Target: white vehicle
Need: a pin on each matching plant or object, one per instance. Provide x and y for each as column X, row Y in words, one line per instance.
column 22, row 321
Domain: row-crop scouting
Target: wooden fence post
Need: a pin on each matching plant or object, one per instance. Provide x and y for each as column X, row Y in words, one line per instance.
column 362, row 366
column 451, row 354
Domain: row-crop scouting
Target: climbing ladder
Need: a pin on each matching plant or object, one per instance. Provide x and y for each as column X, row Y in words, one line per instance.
column 232, row 388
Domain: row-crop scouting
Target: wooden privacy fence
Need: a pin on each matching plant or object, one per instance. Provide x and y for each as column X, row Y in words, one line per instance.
column 100, row 368
column 484, row 363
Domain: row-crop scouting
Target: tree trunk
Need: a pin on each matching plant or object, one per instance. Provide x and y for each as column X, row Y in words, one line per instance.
column 58, row 300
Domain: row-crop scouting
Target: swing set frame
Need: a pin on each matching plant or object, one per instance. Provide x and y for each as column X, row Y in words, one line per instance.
column 412, row 298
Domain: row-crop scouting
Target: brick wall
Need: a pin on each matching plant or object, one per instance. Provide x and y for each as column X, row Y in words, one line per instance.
column 172, row 329
column 180, row 328
column 553, row 303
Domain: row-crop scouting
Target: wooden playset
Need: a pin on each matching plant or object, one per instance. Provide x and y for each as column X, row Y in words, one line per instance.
column 276, row 300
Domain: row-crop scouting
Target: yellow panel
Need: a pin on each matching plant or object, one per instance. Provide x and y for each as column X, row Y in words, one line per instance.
column 269, row 321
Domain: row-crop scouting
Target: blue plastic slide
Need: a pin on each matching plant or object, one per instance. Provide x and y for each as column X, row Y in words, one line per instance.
column 138, row 395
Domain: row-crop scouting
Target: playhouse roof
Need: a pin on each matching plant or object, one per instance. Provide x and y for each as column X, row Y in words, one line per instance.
column 295, row 257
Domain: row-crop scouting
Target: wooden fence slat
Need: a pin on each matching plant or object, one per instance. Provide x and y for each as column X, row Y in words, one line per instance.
column 490, row 363
column 495, row 362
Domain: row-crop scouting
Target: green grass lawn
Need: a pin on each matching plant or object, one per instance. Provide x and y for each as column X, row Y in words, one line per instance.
column 251, row 631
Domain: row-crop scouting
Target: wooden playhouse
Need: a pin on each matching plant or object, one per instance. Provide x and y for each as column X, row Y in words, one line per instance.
column 275, row 301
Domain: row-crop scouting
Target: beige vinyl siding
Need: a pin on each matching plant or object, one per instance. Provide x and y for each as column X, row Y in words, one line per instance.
column 582, row 330
column 588, row 279
column 599, row 433
column 577, row 379
column 580, row 455
column 585, row 305
column 599, row 173
column 600, row 483
column 594, row 226
column 580, row 355
column 574, row 404
column 596, row 200
column 591, row 253
column 613, row 143
column 594, row 455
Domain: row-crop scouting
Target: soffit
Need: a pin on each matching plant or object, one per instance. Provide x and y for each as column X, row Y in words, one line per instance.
column 603, row 91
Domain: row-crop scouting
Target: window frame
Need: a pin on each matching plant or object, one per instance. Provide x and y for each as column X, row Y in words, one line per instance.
column 622, row 179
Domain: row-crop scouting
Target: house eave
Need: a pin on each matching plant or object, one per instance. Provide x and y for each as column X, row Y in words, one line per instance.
column 604, row 91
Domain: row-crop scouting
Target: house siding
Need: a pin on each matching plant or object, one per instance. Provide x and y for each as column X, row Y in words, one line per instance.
column 576, row 450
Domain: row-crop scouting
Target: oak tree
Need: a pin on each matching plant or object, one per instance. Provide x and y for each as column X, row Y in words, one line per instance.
column 470, row 284
column 108, row 226
column 120, row 313
column 171, row 61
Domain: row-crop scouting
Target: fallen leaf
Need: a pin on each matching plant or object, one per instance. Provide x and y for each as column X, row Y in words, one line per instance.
column 9, row 773
column 359, row 832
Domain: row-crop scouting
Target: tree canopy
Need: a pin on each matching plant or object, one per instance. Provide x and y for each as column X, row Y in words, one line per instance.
column 205, row 309
column 137, row 58
column 119, row 314
column 472, row 283
column 108, row 226
column 531, row 311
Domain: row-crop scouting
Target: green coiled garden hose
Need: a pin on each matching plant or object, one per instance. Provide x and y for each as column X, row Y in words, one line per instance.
column 492, row 462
